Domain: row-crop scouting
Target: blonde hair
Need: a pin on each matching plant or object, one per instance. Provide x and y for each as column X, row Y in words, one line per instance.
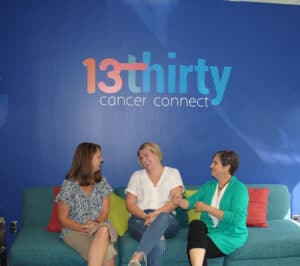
column 151, row 146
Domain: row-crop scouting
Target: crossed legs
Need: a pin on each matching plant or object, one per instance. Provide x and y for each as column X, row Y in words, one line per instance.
column 200, row 246
column 152, row 238
column 97, row 250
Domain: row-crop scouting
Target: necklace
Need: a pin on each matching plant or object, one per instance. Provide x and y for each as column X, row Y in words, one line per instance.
column 223, row 185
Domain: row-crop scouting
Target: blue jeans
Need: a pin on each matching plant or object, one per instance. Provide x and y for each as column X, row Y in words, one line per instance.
column 149, row 237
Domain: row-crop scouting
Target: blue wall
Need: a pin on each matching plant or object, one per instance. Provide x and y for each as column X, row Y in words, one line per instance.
column 193, row 49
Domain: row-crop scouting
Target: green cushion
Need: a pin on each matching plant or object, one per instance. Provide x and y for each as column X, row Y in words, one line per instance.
column 118, row 213
column 192, row 214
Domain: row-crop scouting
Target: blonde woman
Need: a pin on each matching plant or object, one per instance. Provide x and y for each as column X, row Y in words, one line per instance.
column 149, row 200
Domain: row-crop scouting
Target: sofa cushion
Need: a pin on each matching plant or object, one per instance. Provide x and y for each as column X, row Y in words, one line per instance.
column 257, row 209
column 35, row 246
column 280, row 239
column 118, row 214
column 278, row 200
column 37, row 206
column 192, row 214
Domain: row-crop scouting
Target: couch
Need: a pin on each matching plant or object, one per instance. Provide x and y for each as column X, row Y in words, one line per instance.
column 277, row 244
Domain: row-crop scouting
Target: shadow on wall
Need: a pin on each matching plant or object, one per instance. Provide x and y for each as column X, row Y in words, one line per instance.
column 284, row 153
column 296, row 199
column 3, row 109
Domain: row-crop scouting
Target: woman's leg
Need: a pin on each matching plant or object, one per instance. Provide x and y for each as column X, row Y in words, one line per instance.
column 212, row 251
column 173, row 227
column 136, row 227
column 200, row 246
column 196, row 246
column 155, row 257
column 197, row 256
column 110, row 262
column 99, row 247
column 79, row 241
column 82, row 243
column 153, row 238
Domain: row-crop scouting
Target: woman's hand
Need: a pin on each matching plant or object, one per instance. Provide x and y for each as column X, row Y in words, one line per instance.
column 88, row 226
column 179, row 201
column 150, row 217
column 200, row 206
column 176, row 200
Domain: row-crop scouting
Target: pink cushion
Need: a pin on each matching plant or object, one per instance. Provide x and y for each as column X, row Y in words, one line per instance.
column 54, row 224
column 258, row 205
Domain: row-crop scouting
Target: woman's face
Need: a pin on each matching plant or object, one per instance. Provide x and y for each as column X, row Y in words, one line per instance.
column 97, row 161
column 148, row 159
column 217, row 169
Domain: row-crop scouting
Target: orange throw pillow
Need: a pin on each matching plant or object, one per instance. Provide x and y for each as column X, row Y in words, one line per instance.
column 54, row 224
column 258, row 206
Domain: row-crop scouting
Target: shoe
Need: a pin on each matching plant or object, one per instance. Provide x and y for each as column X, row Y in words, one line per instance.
column 134, row 263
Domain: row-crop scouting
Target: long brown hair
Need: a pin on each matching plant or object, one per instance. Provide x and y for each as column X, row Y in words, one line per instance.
column 81, row 168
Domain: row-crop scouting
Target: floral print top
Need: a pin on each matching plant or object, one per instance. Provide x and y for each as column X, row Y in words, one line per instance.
column 82, row 207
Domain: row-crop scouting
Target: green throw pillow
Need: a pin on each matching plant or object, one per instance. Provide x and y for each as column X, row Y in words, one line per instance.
column 118, row 214
column 192, row 214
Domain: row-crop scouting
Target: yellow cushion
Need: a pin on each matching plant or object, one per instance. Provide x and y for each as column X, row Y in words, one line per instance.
column 118, row 214
column 192, row 214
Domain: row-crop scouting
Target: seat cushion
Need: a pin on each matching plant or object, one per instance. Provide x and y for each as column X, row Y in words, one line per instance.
column 280, row 239
column 35, row 246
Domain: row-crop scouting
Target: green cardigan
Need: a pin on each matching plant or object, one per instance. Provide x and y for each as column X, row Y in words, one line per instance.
column 231, row 232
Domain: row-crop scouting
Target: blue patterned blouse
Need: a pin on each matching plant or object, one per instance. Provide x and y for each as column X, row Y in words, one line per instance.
column 82, row 207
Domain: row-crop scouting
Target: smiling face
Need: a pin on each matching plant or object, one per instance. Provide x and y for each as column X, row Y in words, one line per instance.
column 217, row 169
column 97, row 161
column 148, row 159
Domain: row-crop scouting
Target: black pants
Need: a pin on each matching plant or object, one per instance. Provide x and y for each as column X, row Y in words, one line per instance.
column 197, row 238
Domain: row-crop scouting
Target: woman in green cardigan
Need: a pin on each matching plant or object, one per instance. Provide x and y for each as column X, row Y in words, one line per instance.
column 223, row 203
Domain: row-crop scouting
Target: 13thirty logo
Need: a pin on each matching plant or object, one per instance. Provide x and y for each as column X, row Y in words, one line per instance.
column 165, row 83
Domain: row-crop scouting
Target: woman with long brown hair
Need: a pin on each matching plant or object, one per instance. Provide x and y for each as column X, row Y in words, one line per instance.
column 83, row 207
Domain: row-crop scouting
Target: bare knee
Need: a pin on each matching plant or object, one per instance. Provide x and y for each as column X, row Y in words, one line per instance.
column 103, row 232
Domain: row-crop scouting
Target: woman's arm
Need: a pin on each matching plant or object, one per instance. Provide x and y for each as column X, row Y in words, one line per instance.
column 132, row 207
column 168, row 207
column 105, row 211
column 63, row 216
column 200, row 206
column 182, row 203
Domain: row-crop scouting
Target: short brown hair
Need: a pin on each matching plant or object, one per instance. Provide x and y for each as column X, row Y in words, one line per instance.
column 230, row 158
